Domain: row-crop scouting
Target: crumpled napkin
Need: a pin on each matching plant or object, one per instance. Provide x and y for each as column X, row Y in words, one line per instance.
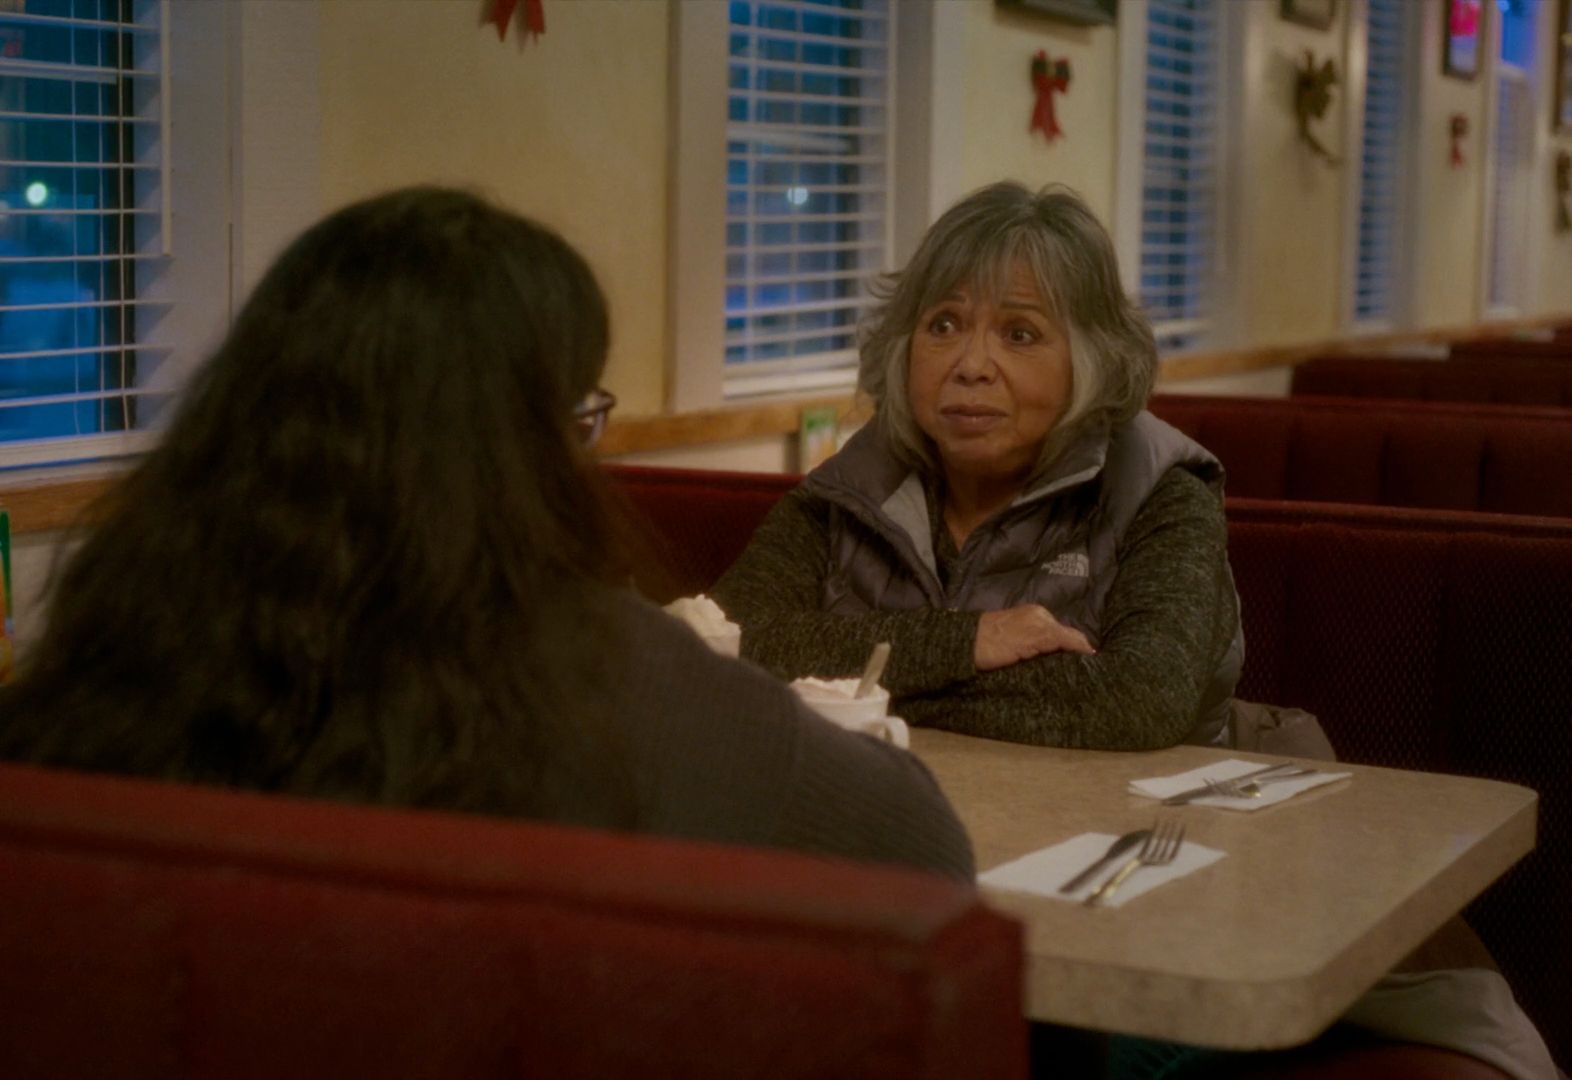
column 1161, row 787
column 708, row 621
column 1041, row 872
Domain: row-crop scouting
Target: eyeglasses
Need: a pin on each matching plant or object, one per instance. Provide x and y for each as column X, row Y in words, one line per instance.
column 590, row 414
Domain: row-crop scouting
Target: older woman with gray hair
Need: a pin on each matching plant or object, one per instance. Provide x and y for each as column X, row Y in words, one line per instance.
column 1048, row 561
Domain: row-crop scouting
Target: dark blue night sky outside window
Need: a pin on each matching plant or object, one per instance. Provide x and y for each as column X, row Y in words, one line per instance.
column 61, row 283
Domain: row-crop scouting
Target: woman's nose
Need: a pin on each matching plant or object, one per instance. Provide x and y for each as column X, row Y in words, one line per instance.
column 975, row 362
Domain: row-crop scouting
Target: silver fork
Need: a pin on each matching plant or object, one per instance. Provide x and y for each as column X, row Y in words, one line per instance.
column 1158, row 849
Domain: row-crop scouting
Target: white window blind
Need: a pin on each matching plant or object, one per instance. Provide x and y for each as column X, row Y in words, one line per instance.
column 1179, row 187
column 1512, row 156
column 84, row 217
column 1375, row 282
column 807, row 187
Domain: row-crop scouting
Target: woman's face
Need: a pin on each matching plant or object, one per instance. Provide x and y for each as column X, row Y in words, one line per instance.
column 987, row 382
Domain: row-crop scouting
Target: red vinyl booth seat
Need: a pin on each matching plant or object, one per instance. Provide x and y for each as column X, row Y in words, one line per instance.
column 1498, row 459
column 1422, row 639
column 159, row 930
column 1503, row 380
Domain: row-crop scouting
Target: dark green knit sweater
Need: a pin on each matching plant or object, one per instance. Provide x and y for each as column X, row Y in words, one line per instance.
column 1168, row 620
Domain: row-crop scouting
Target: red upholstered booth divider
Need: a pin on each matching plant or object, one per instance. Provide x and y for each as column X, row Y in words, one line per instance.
column 692, row 523
column 1445, row 455
column 1488, row 349
column 1422, row 639
column 159, row 930
column 1503, row 380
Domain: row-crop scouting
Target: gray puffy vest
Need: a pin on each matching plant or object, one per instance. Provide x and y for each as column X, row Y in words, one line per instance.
column 1056, row 545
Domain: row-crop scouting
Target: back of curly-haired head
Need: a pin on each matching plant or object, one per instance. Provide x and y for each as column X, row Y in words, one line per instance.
column 340, row 570
column 977, row 242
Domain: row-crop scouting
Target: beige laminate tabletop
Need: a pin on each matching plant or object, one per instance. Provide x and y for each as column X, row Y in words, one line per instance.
column 1318, row 896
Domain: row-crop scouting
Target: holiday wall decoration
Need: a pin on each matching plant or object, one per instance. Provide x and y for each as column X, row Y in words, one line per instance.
column 1049, row 77
column 1312, row 96
column 532, row 14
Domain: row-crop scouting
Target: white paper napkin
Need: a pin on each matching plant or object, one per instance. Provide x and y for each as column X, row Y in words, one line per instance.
column 1161, row 787
column 1042, row 872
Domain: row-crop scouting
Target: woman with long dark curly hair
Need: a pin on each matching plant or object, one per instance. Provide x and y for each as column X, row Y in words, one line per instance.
column 370, row 560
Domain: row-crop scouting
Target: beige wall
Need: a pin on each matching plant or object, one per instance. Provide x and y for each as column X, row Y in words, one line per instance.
column 1446, row 247
column 995, row 142
column 573, row 130
column 1290, row 231
column 570, row 130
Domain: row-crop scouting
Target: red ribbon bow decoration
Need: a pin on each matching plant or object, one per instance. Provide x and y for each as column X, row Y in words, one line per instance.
column 534, row 17
column 1046, row 82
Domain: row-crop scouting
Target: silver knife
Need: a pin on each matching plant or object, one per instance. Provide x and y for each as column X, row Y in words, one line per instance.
column 1203, row 790
column 1116, row 849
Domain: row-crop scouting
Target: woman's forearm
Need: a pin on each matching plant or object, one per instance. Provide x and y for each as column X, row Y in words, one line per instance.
column 774, row 591
column 1167, row 620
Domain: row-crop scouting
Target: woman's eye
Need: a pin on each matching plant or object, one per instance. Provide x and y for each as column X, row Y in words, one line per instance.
column 943, row 323
column 1021, row 335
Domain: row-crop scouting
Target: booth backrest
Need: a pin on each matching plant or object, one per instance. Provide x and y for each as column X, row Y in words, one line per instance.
column 159, row 930
column 1504, row 380
column 693, row 523
column 1487, row 349
column 1442, row 643
column 1501, row 459
column 1422, row 639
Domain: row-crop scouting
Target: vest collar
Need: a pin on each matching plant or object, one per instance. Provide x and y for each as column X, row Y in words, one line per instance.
column 867, row 479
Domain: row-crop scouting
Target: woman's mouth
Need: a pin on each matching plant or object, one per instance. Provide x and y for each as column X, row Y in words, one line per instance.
column 971, row 419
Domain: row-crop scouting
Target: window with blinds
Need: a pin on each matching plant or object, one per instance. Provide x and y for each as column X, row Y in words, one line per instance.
column 83, row 223
column 807, row 187
column 1376, row 259
column 1512, row 157
column 1179, row 184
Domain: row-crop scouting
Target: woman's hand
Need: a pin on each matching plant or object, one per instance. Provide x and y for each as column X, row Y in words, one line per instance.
column 1020, row 633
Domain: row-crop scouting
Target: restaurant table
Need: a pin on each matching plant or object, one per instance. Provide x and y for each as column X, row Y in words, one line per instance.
column 1318, row 897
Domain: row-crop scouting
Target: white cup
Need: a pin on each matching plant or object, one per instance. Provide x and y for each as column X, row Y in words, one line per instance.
column 833, row 700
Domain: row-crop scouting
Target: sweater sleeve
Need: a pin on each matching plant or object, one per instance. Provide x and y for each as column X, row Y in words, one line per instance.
column 774, row 592
column 1168, row 618
column 721, row 751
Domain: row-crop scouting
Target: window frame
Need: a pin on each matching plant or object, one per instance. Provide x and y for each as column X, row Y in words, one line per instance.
column 1532, row 191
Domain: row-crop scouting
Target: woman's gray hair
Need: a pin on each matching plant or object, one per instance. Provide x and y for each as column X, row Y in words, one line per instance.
column 1113, row 357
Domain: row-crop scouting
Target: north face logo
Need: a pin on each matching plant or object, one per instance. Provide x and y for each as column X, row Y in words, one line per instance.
column 1069, row 564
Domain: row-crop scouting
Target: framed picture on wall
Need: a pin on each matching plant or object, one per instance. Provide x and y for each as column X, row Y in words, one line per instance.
column 1463, row 41
column 1561, row 117
column 1081, row 12
column 1316, row 13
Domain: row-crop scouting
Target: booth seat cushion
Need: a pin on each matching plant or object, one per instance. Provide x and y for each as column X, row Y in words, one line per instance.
column 158, row 930
column 1421, row 454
